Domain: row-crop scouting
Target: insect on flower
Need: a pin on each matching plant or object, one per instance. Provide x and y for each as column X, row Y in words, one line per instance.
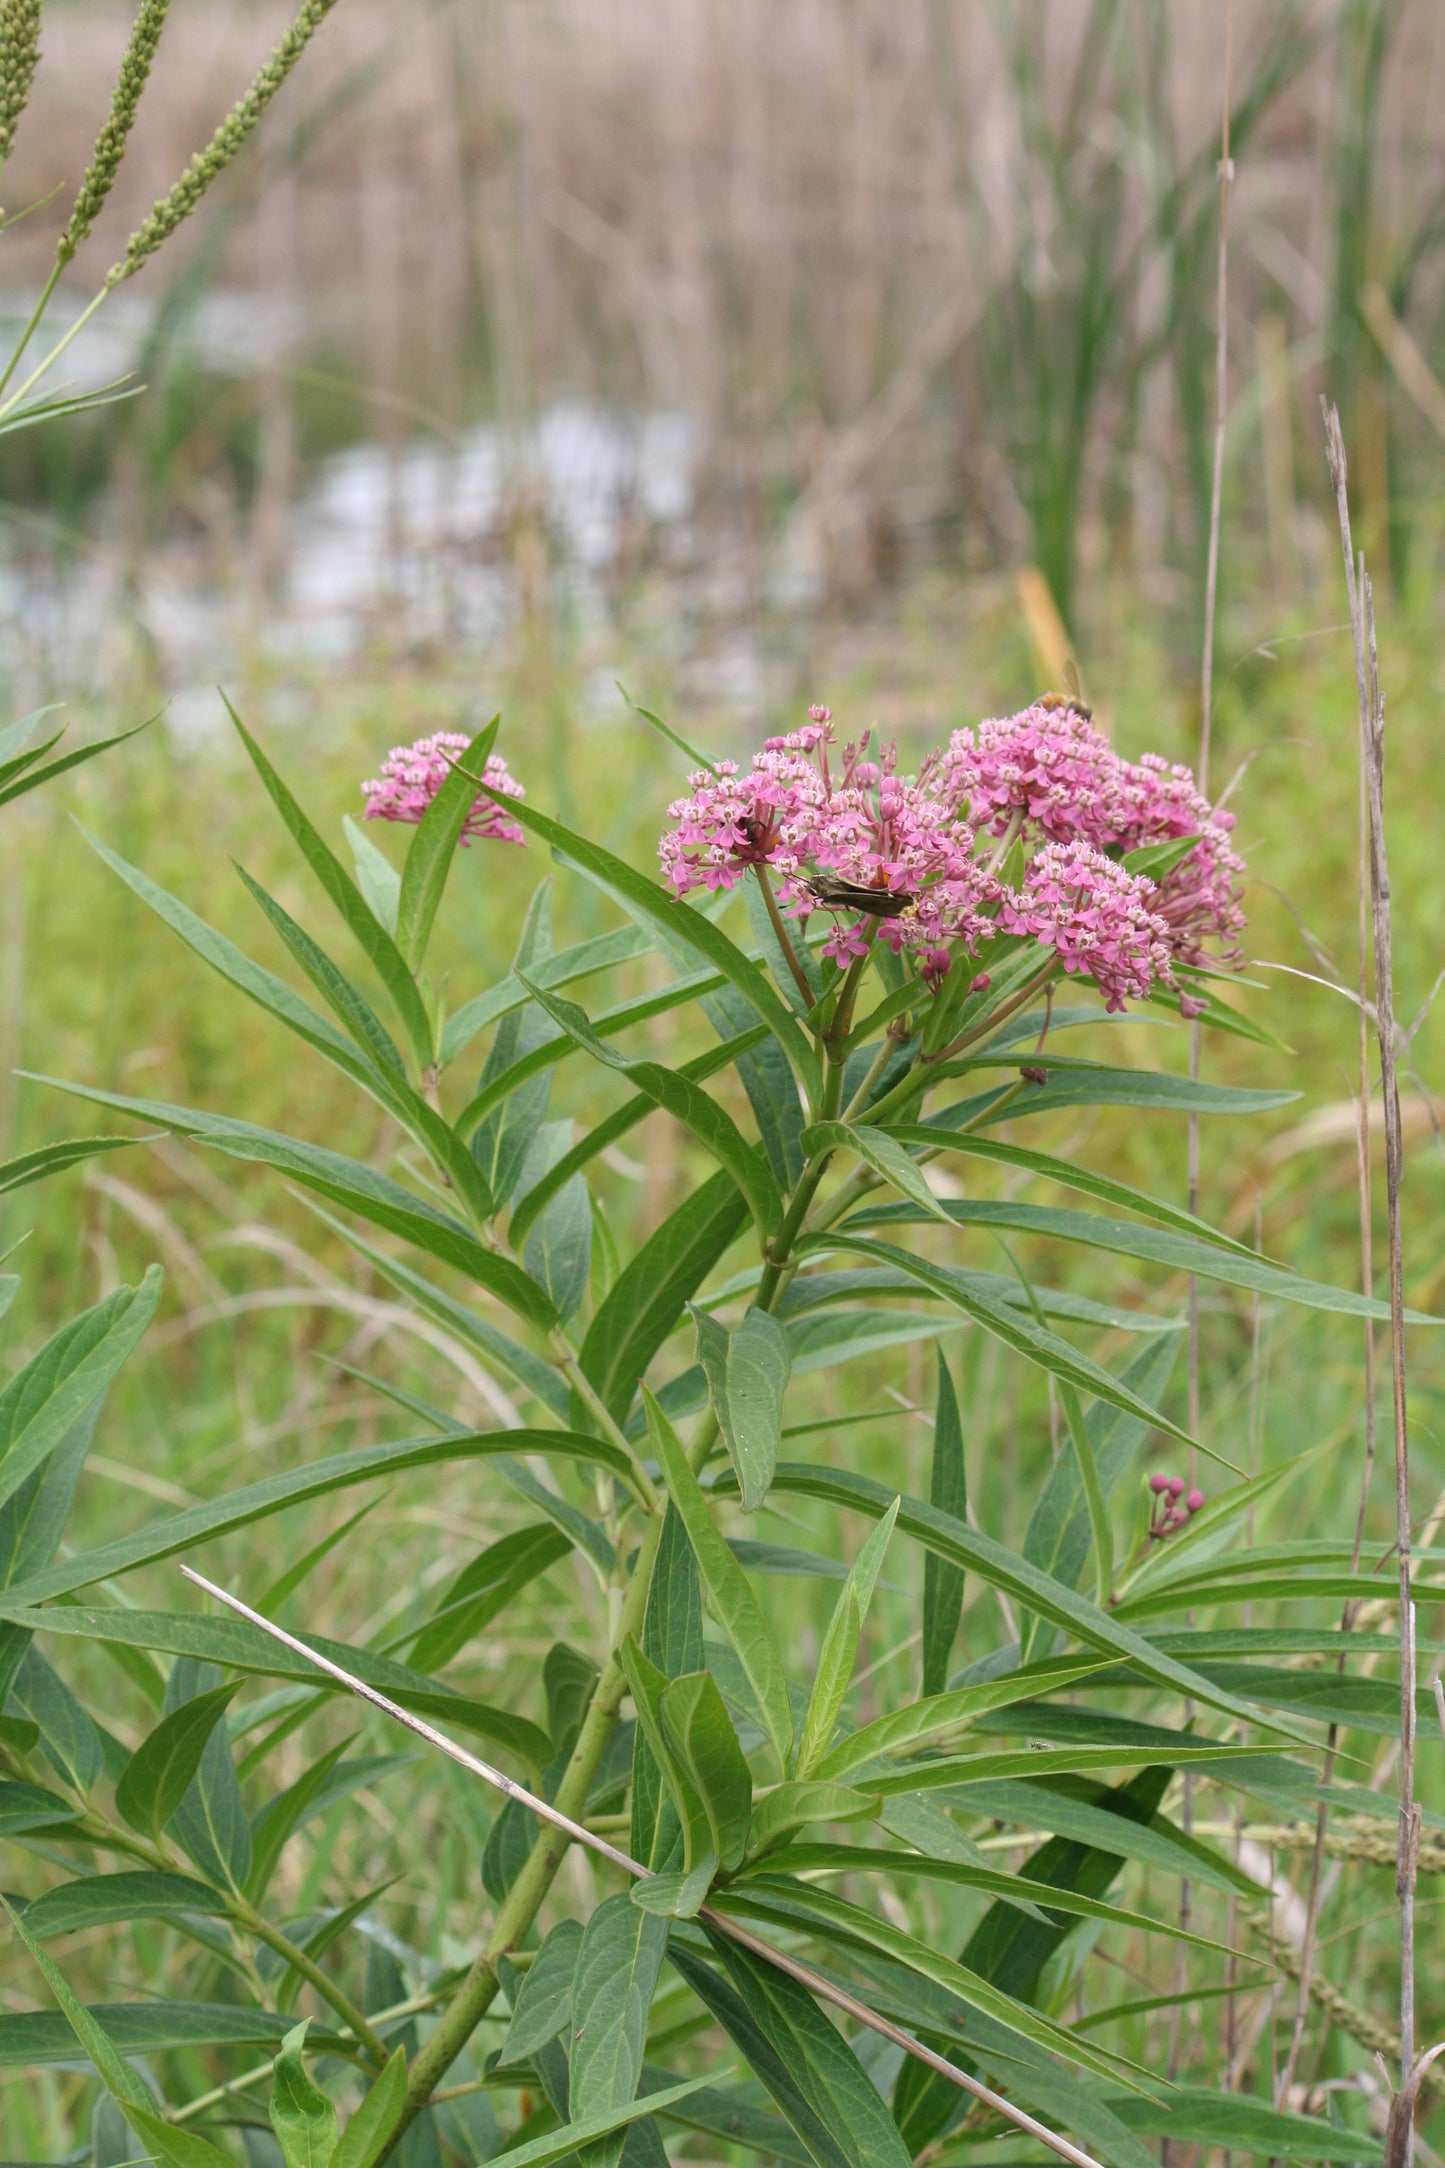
column 835, row 894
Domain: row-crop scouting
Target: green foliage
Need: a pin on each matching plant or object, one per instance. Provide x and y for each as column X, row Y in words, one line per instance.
column 598, row 1620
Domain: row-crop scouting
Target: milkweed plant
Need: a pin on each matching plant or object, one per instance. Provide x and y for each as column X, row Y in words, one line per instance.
column 818, row 1926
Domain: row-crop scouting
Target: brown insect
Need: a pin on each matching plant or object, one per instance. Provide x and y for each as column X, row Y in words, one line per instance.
column 839, row 895
column 1071, row 702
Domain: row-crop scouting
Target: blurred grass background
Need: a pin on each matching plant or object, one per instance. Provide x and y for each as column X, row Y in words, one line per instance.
column 925, row 293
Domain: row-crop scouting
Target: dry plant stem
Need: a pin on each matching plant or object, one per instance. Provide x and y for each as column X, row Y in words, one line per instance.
column 1367, row 1288
column 1372, row 717
column 566, row 1829
column 1206, row 717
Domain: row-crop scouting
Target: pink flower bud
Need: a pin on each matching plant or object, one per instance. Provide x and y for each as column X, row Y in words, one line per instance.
column 1158, row 1483
column 1176, row 1486
column 1195, row 1500
column 820, row 715
column 980, row 984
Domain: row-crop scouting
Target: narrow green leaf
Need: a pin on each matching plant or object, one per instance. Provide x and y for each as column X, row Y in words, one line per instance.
column 672, row 1644
column 28, row 1806
column 1156, row 1844
column 1090, row 1084
column 880, row 1150
column 729, row 1590
column 306, row 2123
column 429, row 859
column 943, row 1584
column 39, row 2037
column 210, row 1821
column 374, row 2120
column 648, row 1296
column 371, row 936
column 46, row 1399
column 796, row 1805
column 654, row 903
column 101, row 1900
column 1011, row 1326
column 648, row 1684
column 482, row 1589
column 114, row 2072
column 813, row 2075
column 1068, row 1176
column 278, row 1820
column 1196, row 2116
column 69, row 1738
column 999, row 1567
column 840, row 1647
column 700, row 1114
column 337, row 1471
column 376, row 876
column 543, row 2006
column 617, row 1967
column 747, row 1373
column 51, row 1158
column 347, row 1182
column 573, row 2136
column 584, row 960
column 948, row 1712
column 677, row 1896
column 528, row 1208
column 702, row 1743
column 34, row 777
column 159, row 1773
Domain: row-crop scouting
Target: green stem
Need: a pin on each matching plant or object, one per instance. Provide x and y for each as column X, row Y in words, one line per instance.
column 524, row 1900
column 565, row 1357
column 881, row 1059
column 784, row 938
column 29, row 332
column 255, row 1923
column 9, row 405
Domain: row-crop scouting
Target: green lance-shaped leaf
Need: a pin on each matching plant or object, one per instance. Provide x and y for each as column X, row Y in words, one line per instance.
column 663, row 911
column 102, row 1900
column 482, row 1589
column 948, row 1490
column 1154, row 1245
column 335, row 1472
column 210, row 1820
column 814, row 2077
column 672, row 1642
column 15, row 783
column 433, row 847
column 53, row 1158
column 647, row 1685
column 30, row 1806
column 46, row 1399
column 1068, row 1176
column 278, row 1820
column 31, row 2038
column 676, row 1896
column 1195, row 2115
column 376, row 944
column 376, row 876
column 69, row 1737
column 558, row 1249
column 543, row 2007
column 902, row 1728
column 880, row 1150
column 585, row 959
column 747, row 1373
column 365, row 2136
column 648, row 1296
column 347, row 1182
column 999, row 1567
column 840, row 1646
column 793, row 1806
column 1075, row 1083
column 515, row 1085
column 574, row 2136
column 703, row 1745
column 962, row 1289
column 617, row 1967
column 730, row 1593
column 176, row 2148
column 350, row 1007
column 700, row 1114
column 160, row 1772
column 305, row 2121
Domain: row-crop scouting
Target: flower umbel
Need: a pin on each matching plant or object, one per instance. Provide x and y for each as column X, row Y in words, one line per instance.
column 1095, row 916
column 411, row 776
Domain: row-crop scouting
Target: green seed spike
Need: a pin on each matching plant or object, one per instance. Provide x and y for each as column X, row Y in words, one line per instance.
column 19, row 52
column 110, row 144
column 204, row 168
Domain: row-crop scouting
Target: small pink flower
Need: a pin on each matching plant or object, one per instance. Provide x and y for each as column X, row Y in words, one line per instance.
column 411, row 776
column 1047, row 765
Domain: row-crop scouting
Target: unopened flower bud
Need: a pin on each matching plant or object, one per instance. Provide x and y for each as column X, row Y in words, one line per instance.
column 1176, row 1486
column 980, row 984
column 820, row 715
column 1195, row 1500
column 1158, row 1483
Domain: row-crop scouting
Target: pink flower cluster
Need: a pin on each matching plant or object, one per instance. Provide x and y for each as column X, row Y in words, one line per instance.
column 1172, row 1505
column 1095, row 916
column 1049, row 770
column 827, row 836
column 411, row 776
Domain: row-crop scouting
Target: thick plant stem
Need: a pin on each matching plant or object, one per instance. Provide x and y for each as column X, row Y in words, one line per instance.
column 524, row 1900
